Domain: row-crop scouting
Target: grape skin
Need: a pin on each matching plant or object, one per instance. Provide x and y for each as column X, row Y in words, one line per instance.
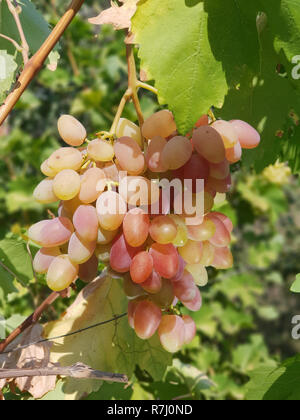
column 71, row 130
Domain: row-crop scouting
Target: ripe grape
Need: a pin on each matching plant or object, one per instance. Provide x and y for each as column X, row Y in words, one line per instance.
column 79, row 250
column 165, row 297
column 71, row 205
column 153, row 284
column 219, row 170
column 159, row 124
column 129, row 155
column 105, row 237
column 111, row 210
column 248, row 137
column 165, row 259
column 223, row 259
column 191, row 252
column 177, row 152
column 172, row 333
column 85, row 222
column 195, row 304
column 199, row 274
column 127, row 128
column 209, row 144
column 46, row 170
column 207, row 254
column 44, row 193
column 182, row 231
column 180, row 271
column 71, row 130
column 89, row 270
column 100, row 150
column 221, row 237
column 234, row 154
column 227, row 222
column 131, row 310
column 93, row 183
column 197, row 168
column 136, row 227
column 51, row 233
column 154, row 155
column 65, row 158
column 147, row 317
column 122, row 254
column 139, row 191
column 62, row 273
column 190, row 329
column 163, row 230
column 141, row 267
column 185, row 288
column 44, row 258
column 202, row 232
column 66, row 184
column 227, row 132
column 220, row 185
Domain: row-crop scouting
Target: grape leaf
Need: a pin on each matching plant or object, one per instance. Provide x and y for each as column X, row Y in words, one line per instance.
column 194, row 50
column 8, row 67
column 113, row 347
column 296, row 285
column 271, row 384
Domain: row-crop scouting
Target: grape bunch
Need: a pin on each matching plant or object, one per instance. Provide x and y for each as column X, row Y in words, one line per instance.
column 107, row 190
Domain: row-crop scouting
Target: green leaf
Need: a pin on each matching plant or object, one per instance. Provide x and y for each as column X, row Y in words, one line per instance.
column 8, row 68
column 272, row 384
column 296, row 285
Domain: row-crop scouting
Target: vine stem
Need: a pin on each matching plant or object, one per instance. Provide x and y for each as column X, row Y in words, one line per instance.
column 25, row 47
column 32, row 67
column 15, row 44
column 133, row 83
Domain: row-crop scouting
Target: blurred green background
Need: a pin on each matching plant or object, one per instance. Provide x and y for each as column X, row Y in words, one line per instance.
column 247, row 312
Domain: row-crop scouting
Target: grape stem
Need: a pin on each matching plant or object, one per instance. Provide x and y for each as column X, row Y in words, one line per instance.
column 147, row 87
column 15, row 44
column 36, row 62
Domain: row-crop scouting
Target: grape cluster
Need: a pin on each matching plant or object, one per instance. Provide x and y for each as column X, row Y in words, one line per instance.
column 162, row 258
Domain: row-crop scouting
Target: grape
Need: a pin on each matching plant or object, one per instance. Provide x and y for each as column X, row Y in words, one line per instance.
column 127, row 128
column 71, row 130
column 195, row 304
column 199, row 274
column 136, row 227
column 102, row 252
column 111, row 210
column 223, row 259
column 222, row 236
column 165, row 297
column 105, row 237
column 177, row 152
column 51, row 233
column 190, row 329
column 192, row 205
column 159, row 124
column 234, row 154
column 132, row 290
column 163, row 230
column 227, row 132
column 161, row 206
column 153, row 284
column 172, row 333
column 219, row 170
column 209, row 144
column 71, row 206
column 191, row 252
column 80, row 251
column 66, row 184
column 180, row 271
column 202, row 232
column 44, row 258
column 165, row 259
column 197, row 168
column 147, row 317
column 85, row 222
column 207, row 254
column 44, row 193
column 182, row 231
column 227, row 222
column 100, row 150
column 46, row 170
column 129, row 155
column 248, row 137
column 220, row 185
column 62, row 273
column 89, row 270
column 185, row 288
column 122, row 254
column 204, row 120
column 141, row 267
column 131, row 310
column 65, row 158
column 154, row 155
column 93, row 183
column 139, row 191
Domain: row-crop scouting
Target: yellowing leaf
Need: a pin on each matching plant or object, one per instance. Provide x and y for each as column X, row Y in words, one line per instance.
column 119, row 17
column 113, row 347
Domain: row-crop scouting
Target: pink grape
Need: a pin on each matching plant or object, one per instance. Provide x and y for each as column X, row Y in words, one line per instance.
column 220, row 185
column 202, row 232
column 180, row 271
column 89, row 270
column 195, row 304
column 177, row 152
column 219, row 170
column 85, row 221
column 141, row 267
column 153, row 284
column 249, row 138
column 209, row 144
column 44, row 258
column 136, row 227
column 190, row 329
column 172, row 333
column 129, row 155
column 227, row 132
column 207, row 254
column 100, row 150
column 185, row 288
column 79, row 250
column 197, row 168
column 165, row 297
column 93, row 183
column 222, row 236
column 227, row 222
column 61, row 273
column 111, row 210
column 51, row 233
column 159, row 124
column 139, row 191
column 234, row 154
column 71, row 130
column 147, row 317
column 65, row 158
column 132, row 305
column 163, row 230
column 122, row 254
column 165, row 259
column 223, row 259
column 191, row 252
column 154, row 155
